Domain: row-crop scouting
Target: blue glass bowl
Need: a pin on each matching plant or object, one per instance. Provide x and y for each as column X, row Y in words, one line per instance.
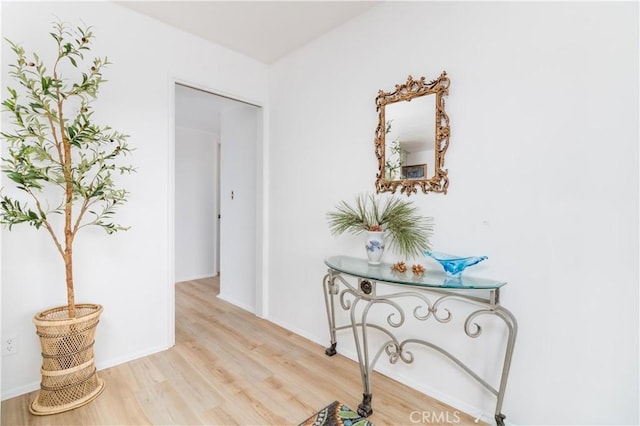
column 454, row 265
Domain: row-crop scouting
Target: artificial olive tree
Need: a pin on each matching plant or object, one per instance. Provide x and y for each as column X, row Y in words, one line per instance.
column 60, row 160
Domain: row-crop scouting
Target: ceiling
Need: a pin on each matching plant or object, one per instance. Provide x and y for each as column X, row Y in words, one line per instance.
column 263, row 30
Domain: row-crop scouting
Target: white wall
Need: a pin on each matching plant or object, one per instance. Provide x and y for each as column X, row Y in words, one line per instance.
column 196, row 210
column 131, row 273
column 543, row 165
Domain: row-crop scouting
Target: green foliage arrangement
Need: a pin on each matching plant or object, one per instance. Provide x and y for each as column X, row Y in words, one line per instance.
column 394, row 161
column 57, row 156
column 407, row 230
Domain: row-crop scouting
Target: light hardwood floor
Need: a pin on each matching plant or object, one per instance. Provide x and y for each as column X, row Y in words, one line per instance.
column 230, row 368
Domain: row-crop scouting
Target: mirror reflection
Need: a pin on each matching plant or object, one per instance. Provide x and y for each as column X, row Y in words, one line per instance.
column 412, row 137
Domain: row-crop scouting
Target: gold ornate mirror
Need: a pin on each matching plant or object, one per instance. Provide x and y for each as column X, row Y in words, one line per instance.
column 412, row 137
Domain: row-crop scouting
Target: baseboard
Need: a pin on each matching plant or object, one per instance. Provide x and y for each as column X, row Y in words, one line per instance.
column 130, row 357
column 196, row 277
column 322, row 341
column 237, row 303
column 30, row 387
column 20, row 390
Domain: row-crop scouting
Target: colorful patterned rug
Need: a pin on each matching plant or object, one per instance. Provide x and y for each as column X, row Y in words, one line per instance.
column 336, row 414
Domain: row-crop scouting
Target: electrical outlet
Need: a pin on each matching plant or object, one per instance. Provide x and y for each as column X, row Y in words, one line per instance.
column 9, row 345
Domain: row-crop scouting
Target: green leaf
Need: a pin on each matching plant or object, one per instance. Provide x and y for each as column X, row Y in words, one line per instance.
column 407, row 230
column 33, row 161
column 45, row 82
column 35, row 107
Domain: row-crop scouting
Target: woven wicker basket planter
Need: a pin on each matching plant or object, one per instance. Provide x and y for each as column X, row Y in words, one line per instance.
column 69, row 378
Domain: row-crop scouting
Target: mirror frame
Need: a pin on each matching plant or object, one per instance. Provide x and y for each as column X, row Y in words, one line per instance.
column 412, row 89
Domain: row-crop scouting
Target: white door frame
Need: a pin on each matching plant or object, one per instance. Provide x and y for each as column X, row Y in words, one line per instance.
column 261, row 240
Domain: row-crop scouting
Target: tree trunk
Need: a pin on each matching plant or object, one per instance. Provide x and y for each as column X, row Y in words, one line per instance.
column 68, row 266
column 68, row 231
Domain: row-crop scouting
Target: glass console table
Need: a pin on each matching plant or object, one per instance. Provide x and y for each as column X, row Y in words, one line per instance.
column 429, row 293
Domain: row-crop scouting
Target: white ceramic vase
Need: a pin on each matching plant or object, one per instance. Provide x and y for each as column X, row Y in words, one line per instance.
column 374, row 246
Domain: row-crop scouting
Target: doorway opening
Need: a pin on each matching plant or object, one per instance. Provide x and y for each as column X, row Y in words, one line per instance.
column 217, row 196
column 197, row 184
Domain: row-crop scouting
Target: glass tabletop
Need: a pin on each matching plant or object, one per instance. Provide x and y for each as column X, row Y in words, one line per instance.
column 431, row 277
